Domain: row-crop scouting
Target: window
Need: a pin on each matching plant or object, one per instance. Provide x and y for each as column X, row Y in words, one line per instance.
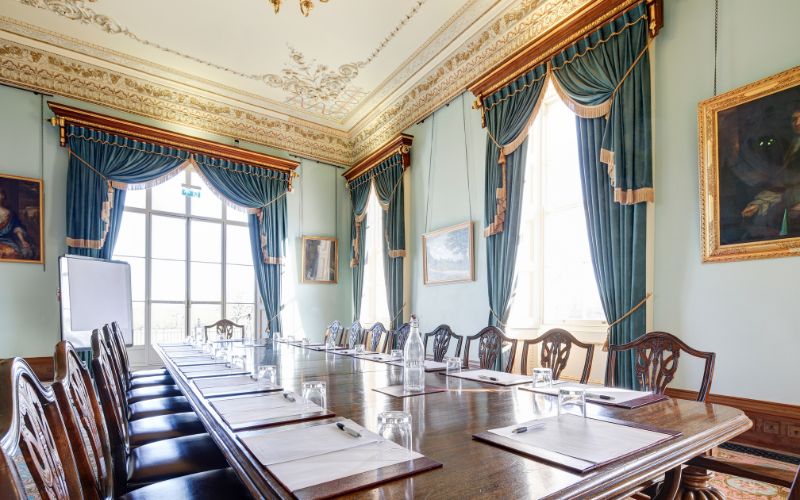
column 555, row 279
column 373, row 296
column 190, row 261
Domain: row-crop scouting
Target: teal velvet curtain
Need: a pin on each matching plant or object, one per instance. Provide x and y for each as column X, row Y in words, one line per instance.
column 605, row 79
column 263, row 193
column 389, row 187
column 359, row 195
column 508, row 114
column 101, row 166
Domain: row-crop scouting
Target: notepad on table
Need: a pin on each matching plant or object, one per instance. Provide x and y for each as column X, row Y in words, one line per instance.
column 491, row 377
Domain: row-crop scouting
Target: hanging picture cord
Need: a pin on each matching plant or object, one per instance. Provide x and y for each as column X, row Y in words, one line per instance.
column 430, row 169
column 716, row 41
column 466, row 154
column 41, row 176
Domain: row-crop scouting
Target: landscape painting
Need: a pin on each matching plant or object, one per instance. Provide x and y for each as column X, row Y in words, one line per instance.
column 448, row 255
column 21, row 225
column 319, row 259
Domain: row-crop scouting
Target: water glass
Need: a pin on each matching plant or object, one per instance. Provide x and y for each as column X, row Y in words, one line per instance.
column 266, row 376
column 359, row 349
column 452, row 364
column 395, row 426
column 543, row 377
column 314, row 392
column 238, row 361
column 305, row 341
column 290, row 338
column 571, row 396
column 397, row 353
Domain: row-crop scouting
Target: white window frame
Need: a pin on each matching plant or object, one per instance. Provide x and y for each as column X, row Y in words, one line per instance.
column 141, row 353
column 374, row 255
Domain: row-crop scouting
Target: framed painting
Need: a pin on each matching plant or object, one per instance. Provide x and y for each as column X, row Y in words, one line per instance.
column 320, row 260
column 448, row 256
column 21, row 220
column 750, row 170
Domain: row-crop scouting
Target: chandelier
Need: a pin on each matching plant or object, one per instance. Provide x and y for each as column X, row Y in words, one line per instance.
column 305, row 5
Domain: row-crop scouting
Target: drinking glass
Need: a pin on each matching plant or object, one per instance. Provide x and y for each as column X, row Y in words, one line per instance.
column 397, row 353
column 314, row 393
column 290, row 338
column 542, row 377
column 266, row 376
column 395, row 426
column 571, row 396
column 305, row 341
column 237, row 361
column 452, row 364
column 359, row 349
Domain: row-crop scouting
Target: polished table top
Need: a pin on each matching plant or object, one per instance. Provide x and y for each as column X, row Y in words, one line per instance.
column 443, row 424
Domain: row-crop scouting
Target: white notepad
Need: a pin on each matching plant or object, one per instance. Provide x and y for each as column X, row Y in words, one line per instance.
column 618, row 395
column 231, row 385
column 501, row 378
column 263, row 407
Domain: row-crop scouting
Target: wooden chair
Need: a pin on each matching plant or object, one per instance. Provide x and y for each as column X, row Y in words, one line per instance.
column 656, row 357
column 555, row 351
column 334, row 330
column 113, row 336
column 90, row 442
column 355, row 334
column 442, row 336
column 30, row 420
column 137, row 373
column 398, row 337
column 225, row 328
column 491, row 341
column 374, row 336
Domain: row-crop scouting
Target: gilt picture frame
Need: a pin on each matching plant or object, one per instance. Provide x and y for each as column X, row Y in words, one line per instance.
column 21, row 219
column 448, row 255
column 749, row 159
column 320, row 259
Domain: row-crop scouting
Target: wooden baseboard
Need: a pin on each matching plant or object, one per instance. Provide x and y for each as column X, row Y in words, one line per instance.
column 776, row 426
column 43, row 368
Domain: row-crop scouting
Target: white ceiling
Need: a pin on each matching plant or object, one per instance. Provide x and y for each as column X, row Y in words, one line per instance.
column 333, row 68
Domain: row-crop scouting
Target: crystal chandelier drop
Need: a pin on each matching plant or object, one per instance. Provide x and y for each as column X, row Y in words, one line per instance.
column 305, row 5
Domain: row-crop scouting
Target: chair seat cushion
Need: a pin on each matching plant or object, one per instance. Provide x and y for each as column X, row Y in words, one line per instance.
column 172, row 458
column 147, row 430
column 159, row 406
column 214, row 484
column 149, row 373
column 151, row 381
column 156, row 391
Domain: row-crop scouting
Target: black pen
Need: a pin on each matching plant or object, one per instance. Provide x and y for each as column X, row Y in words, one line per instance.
column 348, row 430
column 288, row 395
column 599, row 396
column 526, row 428
column 484, row 377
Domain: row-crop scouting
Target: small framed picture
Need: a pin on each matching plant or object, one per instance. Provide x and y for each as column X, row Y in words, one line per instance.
column 21, row 220
column 447, row 255
column 320, row 260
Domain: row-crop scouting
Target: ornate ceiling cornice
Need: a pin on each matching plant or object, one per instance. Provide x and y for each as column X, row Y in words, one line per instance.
column 52, row 72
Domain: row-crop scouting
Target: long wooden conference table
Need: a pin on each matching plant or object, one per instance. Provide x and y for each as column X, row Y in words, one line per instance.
column 443, row 424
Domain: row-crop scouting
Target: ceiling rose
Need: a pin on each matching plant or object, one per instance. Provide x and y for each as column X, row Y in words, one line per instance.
column 305, row 5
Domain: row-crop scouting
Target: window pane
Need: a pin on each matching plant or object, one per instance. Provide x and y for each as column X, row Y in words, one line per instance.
column 138, row 271
column 138, row 323
column 131, row 239
column 207, row 205
column 373, row 302
column 167, row 197
column 562, row 174
column 233, row 214
column 168, row 280
column 242, row 314
column 240, row 285
column 168, row 237
column 136, row 198
column 201, row 315
column 206, row 282
column 238, row 245
column 206, row 241
column 167, row 322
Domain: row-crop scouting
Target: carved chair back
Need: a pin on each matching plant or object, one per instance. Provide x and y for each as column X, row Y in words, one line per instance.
column 30, row 421
column 114, row 405
column 122, row 375
column 375, row 335
column 655, row 359
column 83, row 420
column 442, row 335
column 397, row 338
column 491, row 341
column 355, row 334
column 10, row 481
column 334, row 330
column 225, row 328
column 121, row 348
column 556, row 348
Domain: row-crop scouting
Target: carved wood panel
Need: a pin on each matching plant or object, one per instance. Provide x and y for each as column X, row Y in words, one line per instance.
column 555, row 353
column 378, row 331
column 401, row 335
column 78, row 395
column 441, row 341
column 656, row 364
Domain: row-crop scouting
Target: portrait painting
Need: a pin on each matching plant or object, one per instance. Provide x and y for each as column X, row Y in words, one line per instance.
column 447, row 255
column 320, row 259
column 750, row 170
column 21, row 220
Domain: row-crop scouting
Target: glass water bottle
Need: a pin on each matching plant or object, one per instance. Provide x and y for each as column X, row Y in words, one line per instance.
column 414, row 360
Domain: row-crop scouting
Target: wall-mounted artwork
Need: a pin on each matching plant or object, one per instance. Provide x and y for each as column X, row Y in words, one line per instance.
column 750, row 170
column 21, row 220
column 320, row 260
column 447, row 255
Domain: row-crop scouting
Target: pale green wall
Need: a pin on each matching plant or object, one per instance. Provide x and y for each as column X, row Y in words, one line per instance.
column 28, row 303
column 745, row 311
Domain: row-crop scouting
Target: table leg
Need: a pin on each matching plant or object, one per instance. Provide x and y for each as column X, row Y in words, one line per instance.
column 696, row 485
